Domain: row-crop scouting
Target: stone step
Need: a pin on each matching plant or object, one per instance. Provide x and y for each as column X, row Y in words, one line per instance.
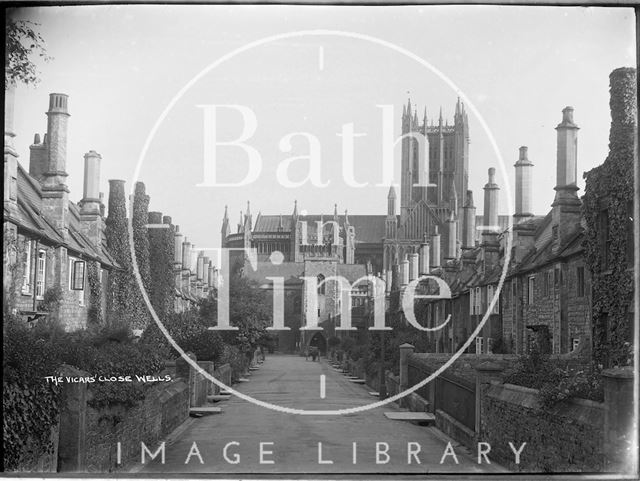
column 218, row 397
column 224, row 392
column 254, row 368
column 243, row 379
column 357, row 381
column 374, row 393
column 203, row 411
column 411, row 416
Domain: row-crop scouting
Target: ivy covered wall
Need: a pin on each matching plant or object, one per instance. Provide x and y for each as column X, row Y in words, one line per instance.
column 609, row 193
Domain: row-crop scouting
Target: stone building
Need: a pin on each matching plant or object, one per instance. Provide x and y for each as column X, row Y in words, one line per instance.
column 610, row 239
column 54, row 249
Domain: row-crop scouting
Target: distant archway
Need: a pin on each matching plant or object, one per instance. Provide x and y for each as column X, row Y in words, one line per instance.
column 318, row 340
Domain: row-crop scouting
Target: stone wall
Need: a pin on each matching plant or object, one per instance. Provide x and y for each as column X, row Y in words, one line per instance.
column 164, row 408
column 565, row 438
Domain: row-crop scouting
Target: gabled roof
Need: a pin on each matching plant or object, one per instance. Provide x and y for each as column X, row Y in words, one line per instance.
column 31, row 218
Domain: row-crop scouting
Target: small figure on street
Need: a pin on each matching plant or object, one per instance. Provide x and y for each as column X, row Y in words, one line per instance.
column 314, row 353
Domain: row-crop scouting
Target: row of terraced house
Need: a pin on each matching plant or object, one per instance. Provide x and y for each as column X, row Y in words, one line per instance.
column 50, row 240
column 562, row 281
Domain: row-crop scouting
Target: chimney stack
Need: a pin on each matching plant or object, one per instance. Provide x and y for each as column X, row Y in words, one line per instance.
column 524, row 170
column 435, row 249
column 413, row 266
column 57, row 123
column 91, row 190
column 490, row 214
column 424, row 256
column 200, row 266
column 404, row 272
column 566, row 207
column 38, row 157
column 567, row 157
column 177, row 248
column 452, row 241
column 469, row 223
column 186, row 254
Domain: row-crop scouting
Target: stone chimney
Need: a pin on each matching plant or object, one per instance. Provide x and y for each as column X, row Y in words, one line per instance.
column 452, row 237
column 90, row 203
column 38, row 157
column 90, row 219
column 413, row 266
column 566, row 207
column 524, row 170
column 435, row 249
column 469, row 223
column 200, row 266
column 101, row 197
column 490, row 245
column 186, row 254
column 10, row 155
column 404, row 272
column 177, row 248
column 55, row 194
column 424, row 256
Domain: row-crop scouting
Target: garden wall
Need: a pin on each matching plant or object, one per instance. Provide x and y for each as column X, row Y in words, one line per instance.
column 567, row 437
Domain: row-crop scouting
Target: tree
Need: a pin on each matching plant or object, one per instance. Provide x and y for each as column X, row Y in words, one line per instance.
column 22, row 42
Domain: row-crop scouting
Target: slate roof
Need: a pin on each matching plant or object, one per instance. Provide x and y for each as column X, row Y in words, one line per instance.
column 370, row 229
column 30, row 218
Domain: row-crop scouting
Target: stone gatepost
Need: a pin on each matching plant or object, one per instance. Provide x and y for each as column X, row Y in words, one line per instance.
column 73, row 412
column 485, row 373
column 619, row 429
column 405, row 351
column 188, row 373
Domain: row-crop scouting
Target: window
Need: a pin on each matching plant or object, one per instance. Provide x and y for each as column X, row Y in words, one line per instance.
column 77, row 275
column 41, row 274
column 491, row 290
column 557, row 277
column 530, row 290
column 322, row 286
column 550, row 283
column 26, row 274
column 479, row 345
column 478, row 299
column 554, row 232
column 580, row 281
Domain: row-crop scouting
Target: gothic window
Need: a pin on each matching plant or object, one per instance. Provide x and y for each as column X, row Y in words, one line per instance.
column 321, row 284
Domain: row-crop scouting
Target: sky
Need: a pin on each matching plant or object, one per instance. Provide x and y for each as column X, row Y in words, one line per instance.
column 141, row 79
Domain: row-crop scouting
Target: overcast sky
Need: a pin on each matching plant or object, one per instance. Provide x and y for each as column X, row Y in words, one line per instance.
column 122, row 65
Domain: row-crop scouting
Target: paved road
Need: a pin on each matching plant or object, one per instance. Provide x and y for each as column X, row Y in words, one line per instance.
column 293, row 382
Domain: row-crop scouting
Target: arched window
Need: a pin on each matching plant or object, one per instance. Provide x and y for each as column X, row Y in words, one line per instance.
column 321, row 284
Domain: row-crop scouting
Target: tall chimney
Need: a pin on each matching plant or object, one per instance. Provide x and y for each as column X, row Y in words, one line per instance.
column 38, row 157
column 388, row 279
column 413, row 266
column 186, row 254
column 524, row 170
column 567, row 157
column 193, row 260
column 177, row 248
column 435, row 249
column 452, row 240
column 404, row 272
column 469, row 223
column 200, row 266
column 91, row 191
column 55, row 194
column 424, row 256
column 566, row 207
column 57, row 123
column 490, row 214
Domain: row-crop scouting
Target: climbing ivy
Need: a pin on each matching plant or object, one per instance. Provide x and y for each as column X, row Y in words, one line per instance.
column 94, row 315
column 140, row 239
column 126, row 306
column 610, row 187
column 161, row 283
